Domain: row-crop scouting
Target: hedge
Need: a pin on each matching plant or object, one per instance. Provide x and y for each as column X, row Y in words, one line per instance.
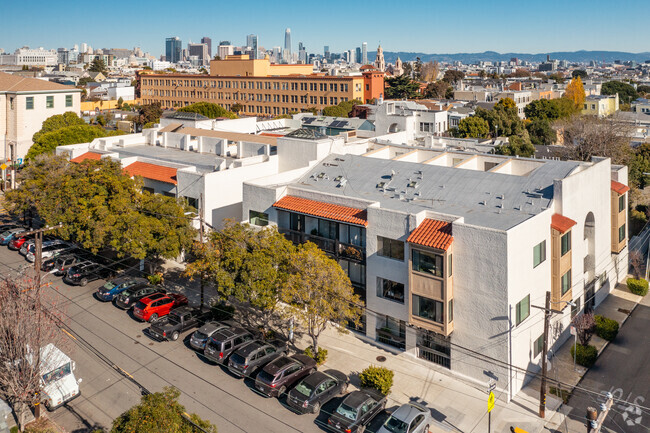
column 638, row 287
column 606, row 328
column 379, row 378
column 586, row 355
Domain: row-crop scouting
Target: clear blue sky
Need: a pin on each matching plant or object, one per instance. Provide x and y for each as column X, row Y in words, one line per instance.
column 430, row 26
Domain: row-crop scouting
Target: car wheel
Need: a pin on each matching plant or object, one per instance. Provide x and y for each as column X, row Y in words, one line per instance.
column 153, row 318
column 281, row 391
column 83, row 282
column 316, row 408
column 175, row 336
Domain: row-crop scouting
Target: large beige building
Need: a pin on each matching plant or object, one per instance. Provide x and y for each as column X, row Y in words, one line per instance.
column 261, row 88
column 24, row 104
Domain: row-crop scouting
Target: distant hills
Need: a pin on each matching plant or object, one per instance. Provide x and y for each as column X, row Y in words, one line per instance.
column 492, row 56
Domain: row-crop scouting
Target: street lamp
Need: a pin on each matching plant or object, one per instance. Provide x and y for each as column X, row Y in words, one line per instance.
column 547, row 316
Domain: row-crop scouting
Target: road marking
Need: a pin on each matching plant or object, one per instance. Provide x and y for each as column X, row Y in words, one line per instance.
column 69, row 335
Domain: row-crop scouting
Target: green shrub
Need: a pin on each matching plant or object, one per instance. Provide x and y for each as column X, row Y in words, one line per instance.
column 320, row 356
column 379, row 378
column 14, row 429
column 638, row 287
column 606, row 328
column 586, row 355
column 156, row 279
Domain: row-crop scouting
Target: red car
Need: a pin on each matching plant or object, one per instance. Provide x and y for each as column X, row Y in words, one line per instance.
column 157, row 305
column 16, row 243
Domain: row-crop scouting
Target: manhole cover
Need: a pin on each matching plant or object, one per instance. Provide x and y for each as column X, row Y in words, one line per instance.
column 624, row 311
column 381, row 358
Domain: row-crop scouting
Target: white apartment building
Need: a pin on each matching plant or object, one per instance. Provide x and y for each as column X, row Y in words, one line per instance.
column 409, row 117
column 30, row 57
column 24, row 104
column 449, row 250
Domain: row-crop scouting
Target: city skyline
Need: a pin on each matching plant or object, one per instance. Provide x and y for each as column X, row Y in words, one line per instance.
column 436, row 28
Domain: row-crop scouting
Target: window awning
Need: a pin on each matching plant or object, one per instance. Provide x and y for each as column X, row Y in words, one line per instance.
column 432, row 233
column 619, row 188
column 561, row 223
column 324, row 210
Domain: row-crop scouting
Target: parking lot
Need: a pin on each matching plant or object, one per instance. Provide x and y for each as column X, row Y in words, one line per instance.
column 209, row 390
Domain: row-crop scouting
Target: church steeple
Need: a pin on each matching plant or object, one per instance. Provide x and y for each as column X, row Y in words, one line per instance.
column 379, row 61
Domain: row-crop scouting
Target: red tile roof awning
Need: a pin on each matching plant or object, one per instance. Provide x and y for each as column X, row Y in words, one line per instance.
column 323, row 210
column 88, row 155
column 561, row 223
column 432, row 233
column 619, row 188
column 152, row 171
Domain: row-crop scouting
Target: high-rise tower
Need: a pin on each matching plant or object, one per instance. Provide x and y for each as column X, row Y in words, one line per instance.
column 287, row 45
column 364, row 53
column 251, row 41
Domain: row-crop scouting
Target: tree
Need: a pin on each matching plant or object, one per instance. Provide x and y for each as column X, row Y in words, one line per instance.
column 149, row 113
column 437, row 89
column 343, row 109
column 503, row 119
column 83, row 81
column 58, row 121
column 236, row 108
column 575, row 92
column 482, row 73
column 540, row 132
column 402, row 87
column 584, row 324
column 636, row 263
column 558, row 78
column 160, row 412
column 516, row 146
column 430, row 71
column 417, row 69
column 120, row 101
column 542, row 109
column 520, row 73
column 472, row 127
column 209, row 110
column 452, row 76
column 98, row 65
column 48, row 142
column 626, row 92
column 101, row 120
column 320, row 292
column 643, row 89
column 29, row 321
column 639, row 164
column 579, row 73
column 588, row 136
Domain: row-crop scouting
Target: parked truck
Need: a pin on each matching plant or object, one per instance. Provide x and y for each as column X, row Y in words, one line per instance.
column 58, row 384
column 177, row 321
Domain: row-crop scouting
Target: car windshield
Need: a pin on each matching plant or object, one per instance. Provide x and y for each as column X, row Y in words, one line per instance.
column 266, row 376
column 395, row 425
column 200, row 335
column 5, row 234
column 347, row 411
column 140, row 305
column 173, row 318
column 238, row 359
column 109, row 285
column 304, row 388
column 57, row 374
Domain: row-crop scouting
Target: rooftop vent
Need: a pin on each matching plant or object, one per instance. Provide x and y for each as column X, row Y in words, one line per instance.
column 320, row 175
column 343, row 182
column 381, row 184
column 338, row 178
column 412, row 184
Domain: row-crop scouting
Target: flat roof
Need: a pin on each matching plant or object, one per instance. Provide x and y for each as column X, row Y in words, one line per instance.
column 204, row 163
column 494, row 200
column 231, row 136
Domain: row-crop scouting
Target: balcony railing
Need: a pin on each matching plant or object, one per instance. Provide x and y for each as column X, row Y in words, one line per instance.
column 434, row 356
column 388, row 337
column 351, row 252
column 332, row 246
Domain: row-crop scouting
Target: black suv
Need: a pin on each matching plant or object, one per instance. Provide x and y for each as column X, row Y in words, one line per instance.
column 356, row 411
column 85, row 272
column 249, row 358
column 128, row 298
column 225, row 342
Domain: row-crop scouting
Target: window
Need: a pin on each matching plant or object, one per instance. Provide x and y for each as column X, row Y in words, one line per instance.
column 427, row 262
column 49, row 102
column 388, row 289
column 429, row 309
column 390, row 248
column 538, row 346
column 575, row 309
column 451, row 311
column 355, row 271
column 11, row 103
column 566, row 282
column 149, row 190
column 621, row 233
column 449, row 267
column 191, row 201
column 523, row 310
column 326, row 229
column 29, row 103
column 621, row 203
column 258, row 218
column 539, row 253
column 352, row 235
column 566, row 243
column 68, row 100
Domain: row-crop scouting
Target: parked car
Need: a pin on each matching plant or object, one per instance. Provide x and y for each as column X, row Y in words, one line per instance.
column 223, row 343
column 128, row 298
column 409, row 417
column 8, row 235
column 248, row 359
column 25, row 244
column 200, row 337
column 356, row 411
column 178, row 320
column 317, row 389
column 18, row 241
column 60, row 264
column 112, row 288
column 157, row 305
column 85, row 272
column 48, row 251
column 278, row 376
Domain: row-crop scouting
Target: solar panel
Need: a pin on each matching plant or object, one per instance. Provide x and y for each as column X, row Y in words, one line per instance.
column 308, row 120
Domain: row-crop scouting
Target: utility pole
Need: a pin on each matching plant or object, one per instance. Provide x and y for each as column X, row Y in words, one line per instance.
column 38, row 249
column 594, row 420
column 201, row 240
column 542, row 388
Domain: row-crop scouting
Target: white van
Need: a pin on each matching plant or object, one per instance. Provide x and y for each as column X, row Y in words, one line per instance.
column 57, row 379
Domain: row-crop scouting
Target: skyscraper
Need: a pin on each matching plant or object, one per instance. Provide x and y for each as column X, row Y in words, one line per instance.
column 251, row 41
column 357, row 58
column 200, row 51
column 206, row 40
column 302, row 53
column 364, row 53
column 287, row 45
column 173, row 49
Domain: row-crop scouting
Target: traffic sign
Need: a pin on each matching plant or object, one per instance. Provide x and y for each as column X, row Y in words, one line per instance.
column 3, row 166
column 573, row 330
column 490, row 402
column 492, row 385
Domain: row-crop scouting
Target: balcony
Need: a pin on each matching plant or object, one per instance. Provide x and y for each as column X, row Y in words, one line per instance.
column 352, row 252
column 331, row 246
column 387, row 336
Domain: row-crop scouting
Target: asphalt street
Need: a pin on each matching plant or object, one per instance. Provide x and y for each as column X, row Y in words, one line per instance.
column 206, row 389
column 623, row 370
